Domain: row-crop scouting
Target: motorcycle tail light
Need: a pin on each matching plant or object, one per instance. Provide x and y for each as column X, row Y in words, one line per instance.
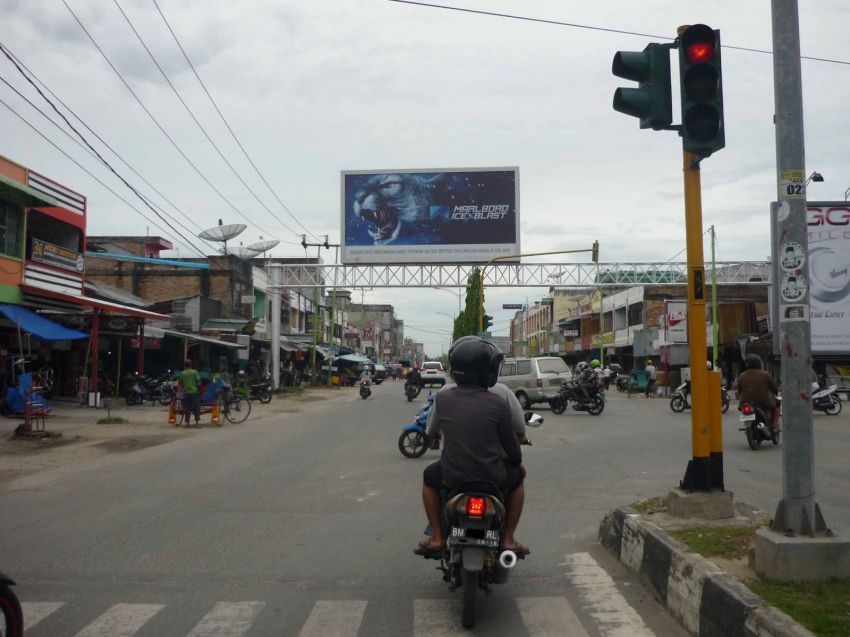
column 476, row 506
column 747, row 408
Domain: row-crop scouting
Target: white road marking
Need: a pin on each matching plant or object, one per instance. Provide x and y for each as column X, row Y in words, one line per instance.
column 122, row 620
column 334, row 619
column 34, row 612
column 437, row 618
column 228, row 619
column 549, row 617
column 601, row 599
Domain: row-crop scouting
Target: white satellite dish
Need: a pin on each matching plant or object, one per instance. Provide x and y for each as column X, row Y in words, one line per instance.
column 223, row 233
column 264, row 245
column 244, row 253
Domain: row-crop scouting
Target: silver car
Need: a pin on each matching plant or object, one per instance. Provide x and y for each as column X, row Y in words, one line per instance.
column 534, row 380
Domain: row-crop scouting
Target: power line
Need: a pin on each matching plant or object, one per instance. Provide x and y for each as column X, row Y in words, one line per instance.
column 575, row 25
column 195, row 119
column 29, row 71
column 159, row 126
column 233, row 134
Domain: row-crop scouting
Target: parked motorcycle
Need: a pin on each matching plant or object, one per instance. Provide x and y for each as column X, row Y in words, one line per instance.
column 473, row 523
column 413, row 443
column 571, row 394
column 756, row 426
column 10, row 608
column 411, row 390
column 681, row 398
column 365, row 389
column 827, row 401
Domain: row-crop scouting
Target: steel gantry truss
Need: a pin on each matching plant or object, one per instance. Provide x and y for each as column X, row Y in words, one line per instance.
column 308, row 275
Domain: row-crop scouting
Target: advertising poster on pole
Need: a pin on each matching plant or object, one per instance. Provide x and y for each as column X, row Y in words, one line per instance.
column 457, row 215
column 829, row 275
column 676, row 320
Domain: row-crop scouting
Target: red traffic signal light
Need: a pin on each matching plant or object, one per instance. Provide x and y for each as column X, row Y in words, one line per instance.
column 703, row 130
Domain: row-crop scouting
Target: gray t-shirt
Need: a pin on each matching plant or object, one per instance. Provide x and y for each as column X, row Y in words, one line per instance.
column 517, row 415
column 476, row 428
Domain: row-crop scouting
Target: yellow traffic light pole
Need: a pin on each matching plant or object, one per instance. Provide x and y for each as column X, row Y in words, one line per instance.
column 594, row 250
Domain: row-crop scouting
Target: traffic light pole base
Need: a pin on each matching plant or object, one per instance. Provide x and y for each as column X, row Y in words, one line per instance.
column 708, row 505
column 800, row 558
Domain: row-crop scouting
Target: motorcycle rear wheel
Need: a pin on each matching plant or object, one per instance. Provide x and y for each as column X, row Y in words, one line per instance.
column 412, row 444
column 470, row 592
column 597, row 405
column 13, row 616
column 677, row 404
column 558, row 405
column 265, row 398
column 725, row 407
column 834, row 407
column 134, row 399
column 752, row 440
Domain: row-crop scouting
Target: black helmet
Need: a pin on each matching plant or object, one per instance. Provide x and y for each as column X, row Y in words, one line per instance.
column 475, row 361
column 752, row 361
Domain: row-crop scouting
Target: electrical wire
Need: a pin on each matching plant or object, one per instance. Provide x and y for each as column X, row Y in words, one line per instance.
column 233, row 134
column 105, row 143
column 195, row 119
column 575, row 25
column 163, row 131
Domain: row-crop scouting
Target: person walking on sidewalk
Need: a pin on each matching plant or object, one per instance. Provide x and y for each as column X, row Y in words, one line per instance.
column 190, row 381
column 651, row 375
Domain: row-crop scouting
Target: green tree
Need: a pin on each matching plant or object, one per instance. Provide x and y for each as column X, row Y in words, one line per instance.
column 467, row 321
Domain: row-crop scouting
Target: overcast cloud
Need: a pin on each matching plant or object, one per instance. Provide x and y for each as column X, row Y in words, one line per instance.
column 313, row 88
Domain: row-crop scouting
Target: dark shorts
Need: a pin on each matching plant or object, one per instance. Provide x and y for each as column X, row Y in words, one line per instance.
column 433, row 477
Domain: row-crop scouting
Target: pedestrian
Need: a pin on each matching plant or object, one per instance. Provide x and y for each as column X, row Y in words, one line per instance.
column 190, row 380
column 651, row 375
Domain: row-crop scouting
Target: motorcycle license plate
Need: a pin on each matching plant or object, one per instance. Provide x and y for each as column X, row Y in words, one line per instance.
column 748, row 418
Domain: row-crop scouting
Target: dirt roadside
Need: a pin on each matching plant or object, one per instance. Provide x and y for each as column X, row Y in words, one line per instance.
column 76, row 438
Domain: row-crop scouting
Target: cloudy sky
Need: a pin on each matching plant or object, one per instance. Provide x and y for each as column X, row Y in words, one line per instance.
column 315, row 87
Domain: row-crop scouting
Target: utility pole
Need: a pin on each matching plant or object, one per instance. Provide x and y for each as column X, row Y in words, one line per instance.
column 316, row 302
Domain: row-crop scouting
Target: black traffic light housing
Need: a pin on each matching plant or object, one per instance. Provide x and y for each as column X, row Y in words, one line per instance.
column 701, row 82
column 487, row 322
column 652, row 101
column 595, row 252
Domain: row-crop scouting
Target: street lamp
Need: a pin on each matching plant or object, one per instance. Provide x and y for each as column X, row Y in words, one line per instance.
column 846, row 194
column 458, row 293
column 815, row 176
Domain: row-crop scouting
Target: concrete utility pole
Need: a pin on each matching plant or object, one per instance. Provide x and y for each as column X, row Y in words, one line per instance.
column 316, row 302
column 780, row 553
column 276, row 276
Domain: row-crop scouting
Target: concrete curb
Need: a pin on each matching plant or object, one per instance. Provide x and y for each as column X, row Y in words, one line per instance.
column 705, row 600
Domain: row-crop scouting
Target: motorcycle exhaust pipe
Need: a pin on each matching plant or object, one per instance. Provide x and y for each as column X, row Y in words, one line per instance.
column 507, row 560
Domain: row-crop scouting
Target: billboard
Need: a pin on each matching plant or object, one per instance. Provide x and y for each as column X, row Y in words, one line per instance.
column 676, row 320
column 457, row 215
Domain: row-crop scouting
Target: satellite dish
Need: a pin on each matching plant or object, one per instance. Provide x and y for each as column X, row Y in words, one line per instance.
column 245, row 253
column 263, row 246
column 223, row 233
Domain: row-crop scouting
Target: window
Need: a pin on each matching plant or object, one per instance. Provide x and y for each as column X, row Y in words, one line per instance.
column 551, row 366
column 61, row 234
column 523, row 367
column 636, row 314
column 508, row 369
column 11, row 222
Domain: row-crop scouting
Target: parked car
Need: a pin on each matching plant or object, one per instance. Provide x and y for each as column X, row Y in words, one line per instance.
column 534, row 380
column 379, row 375
column 433, row 373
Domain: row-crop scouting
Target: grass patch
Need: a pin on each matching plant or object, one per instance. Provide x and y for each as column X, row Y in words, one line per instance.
column 653, row 505
column 822, row 607
column 111, row 420
column 730, row 542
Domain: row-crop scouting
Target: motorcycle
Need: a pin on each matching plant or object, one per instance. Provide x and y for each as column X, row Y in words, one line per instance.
column 138, row 394
column 827, row 401
column 681, row 398
column 365, row 389
column 413, row 442
column 10, row 607
column 756, row 426
column 473, row 523
column 411, row 390
column 571, row 393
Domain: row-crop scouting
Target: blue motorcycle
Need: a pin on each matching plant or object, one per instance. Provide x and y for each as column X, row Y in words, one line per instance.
column 413, row 443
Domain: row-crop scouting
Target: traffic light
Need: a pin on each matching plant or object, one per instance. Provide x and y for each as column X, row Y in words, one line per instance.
column 700, row 77
column 652, row 101
column 595, row 254
column 487, row 322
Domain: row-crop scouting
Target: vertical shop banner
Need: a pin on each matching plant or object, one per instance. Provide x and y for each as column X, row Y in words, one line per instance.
column 367, row 336
column 457, row 215
column 676, row 320
column 829, row 274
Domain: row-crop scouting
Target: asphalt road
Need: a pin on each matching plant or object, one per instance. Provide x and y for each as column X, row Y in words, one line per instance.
column 301, row 521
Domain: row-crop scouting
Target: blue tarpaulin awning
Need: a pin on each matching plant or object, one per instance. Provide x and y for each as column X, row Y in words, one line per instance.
column 38, row 325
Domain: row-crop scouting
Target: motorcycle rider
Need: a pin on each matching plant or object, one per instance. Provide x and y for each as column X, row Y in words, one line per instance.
column 414, row 377
column 365, row 376
column 757, row 387
column 589, row 377
column 477, row 427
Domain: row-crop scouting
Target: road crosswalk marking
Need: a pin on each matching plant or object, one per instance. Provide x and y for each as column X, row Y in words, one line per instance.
column 228, row 619
column 600, row 597
column 34, row 612
column 436, row 618
column 549, row 617
column 122, row 620
column 334, row 619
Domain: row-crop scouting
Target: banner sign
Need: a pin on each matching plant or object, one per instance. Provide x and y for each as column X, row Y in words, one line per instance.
column 829, row 276
column 53, row 255
column 676, row 320
column 430, row 216
column 512, row 306
column 367, row 336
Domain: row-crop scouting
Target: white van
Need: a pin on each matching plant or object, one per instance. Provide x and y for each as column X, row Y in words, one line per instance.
column 534, row 380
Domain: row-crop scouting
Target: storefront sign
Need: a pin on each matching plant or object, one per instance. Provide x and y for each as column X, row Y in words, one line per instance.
column 57, row 257
column 150, row 343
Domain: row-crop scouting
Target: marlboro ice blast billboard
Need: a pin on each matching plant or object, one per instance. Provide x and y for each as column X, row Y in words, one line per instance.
column 457, row 215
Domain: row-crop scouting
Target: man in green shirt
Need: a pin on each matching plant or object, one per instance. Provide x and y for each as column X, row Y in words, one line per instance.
column 190, row 380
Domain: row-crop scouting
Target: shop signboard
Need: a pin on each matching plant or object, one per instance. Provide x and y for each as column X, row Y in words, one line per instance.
column 454, row 215
column 676, row 320
column 829, row 274
column 56, row 256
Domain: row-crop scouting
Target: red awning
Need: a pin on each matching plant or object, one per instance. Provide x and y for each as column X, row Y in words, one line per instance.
column 87, row 301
